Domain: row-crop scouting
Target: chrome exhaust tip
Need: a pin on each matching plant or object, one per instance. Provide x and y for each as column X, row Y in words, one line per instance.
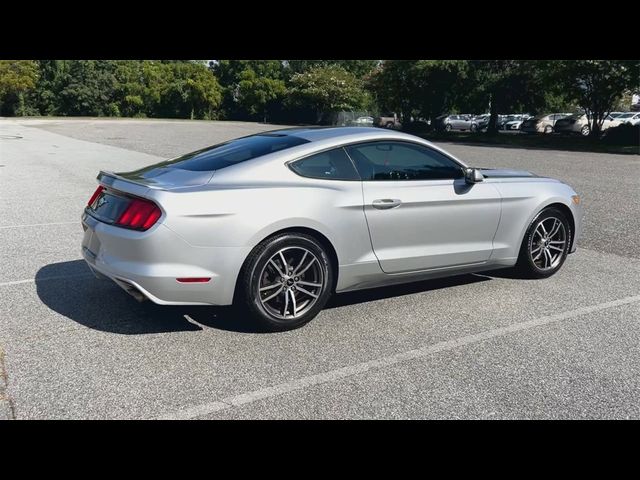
column 131, row 290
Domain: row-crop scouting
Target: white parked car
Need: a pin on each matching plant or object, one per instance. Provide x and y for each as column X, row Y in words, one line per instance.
column 515, row 123
column 631, row 118
column 579, row 123
column 365, row 121
column 542, row 123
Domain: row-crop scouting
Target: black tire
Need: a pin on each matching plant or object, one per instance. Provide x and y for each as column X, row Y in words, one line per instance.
column 585, row 131
column 249, row 295
column 526, row 267
column 447, row 127
column 389, row 125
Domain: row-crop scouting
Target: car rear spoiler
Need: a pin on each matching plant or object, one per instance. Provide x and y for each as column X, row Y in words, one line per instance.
column 118, row 182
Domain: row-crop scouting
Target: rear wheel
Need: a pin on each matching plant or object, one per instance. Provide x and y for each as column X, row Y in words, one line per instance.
column 545, row 245
column 548, row 129
column 286, row 281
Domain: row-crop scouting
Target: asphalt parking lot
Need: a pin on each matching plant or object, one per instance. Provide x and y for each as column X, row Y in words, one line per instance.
column 473, row 346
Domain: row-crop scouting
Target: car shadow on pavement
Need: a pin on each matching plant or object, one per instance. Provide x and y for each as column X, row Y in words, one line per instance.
column 372, row 294
column 70, row 289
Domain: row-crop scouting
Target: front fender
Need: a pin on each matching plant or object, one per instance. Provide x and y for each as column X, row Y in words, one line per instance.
column 521, row 202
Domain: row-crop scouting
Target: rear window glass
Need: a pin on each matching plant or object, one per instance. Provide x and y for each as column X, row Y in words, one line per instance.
column 233, row 152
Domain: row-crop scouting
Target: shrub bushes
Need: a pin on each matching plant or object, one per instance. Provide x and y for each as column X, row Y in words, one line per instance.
column 625, row 134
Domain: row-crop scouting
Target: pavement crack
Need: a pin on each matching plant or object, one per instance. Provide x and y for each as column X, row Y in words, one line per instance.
column 4, row 387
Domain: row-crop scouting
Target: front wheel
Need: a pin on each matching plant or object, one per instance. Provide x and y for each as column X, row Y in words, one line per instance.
column 545, row 245
column 447, row 127
column 286, row 281
column 585, row 131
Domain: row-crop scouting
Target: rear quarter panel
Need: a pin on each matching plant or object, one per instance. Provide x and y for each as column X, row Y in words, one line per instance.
column 243, row 212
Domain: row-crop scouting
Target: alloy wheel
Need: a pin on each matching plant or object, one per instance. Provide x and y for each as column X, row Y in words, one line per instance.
column 290, row 283
column 548, row 243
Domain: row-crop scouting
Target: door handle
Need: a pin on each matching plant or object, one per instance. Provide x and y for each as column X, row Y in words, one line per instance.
column 386, row 203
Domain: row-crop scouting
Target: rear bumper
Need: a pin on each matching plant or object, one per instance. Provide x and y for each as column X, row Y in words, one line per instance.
column 150, row 262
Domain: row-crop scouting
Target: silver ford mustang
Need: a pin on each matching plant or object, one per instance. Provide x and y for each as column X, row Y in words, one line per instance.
column 276, row 222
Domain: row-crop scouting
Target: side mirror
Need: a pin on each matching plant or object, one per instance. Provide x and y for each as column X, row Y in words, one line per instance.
column 473, row 175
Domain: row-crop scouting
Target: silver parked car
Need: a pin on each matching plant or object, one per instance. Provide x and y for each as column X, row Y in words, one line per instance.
column 459, row 122
column 276, row 222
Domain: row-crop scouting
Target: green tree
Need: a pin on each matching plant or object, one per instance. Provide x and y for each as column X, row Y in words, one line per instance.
column 17, row 77
column 131, row 88
column 439, row 86
column 395, row 85
column 256, row 92
column 595, row 85
column 46, row 96
column 238, row 77
column 196, row 90
column 174, row 89
column 328, row 90
column 506, row 86
column 88, row 88
column 360, row 68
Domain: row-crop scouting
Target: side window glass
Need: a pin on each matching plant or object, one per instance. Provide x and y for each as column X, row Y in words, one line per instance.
column 332, row 165
column 402, row 161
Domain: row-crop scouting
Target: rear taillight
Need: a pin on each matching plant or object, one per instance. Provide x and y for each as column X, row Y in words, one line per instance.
column 139, row 215
column 95, row 195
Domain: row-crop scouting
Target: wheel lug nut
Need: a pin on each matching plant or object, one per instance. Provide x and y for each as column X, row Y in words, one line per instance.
column 297, row 278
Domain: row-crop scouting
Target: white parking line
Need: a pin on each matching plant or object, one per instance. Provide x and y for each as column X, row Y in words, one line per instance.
column 46, row 279
column 77, row 222
column 333, row 375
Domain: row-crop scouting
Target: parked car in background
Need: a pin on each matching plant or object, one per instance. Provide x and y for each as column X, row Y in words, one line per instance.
column 459, row 122
column 502, row 120
column 482, row 121
column 542, row 123
column 388, row 120
column 510, row 122
column 579, row 123
column 515, row 123
column 630, row 118
column 616, row 114
column 363, row 122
